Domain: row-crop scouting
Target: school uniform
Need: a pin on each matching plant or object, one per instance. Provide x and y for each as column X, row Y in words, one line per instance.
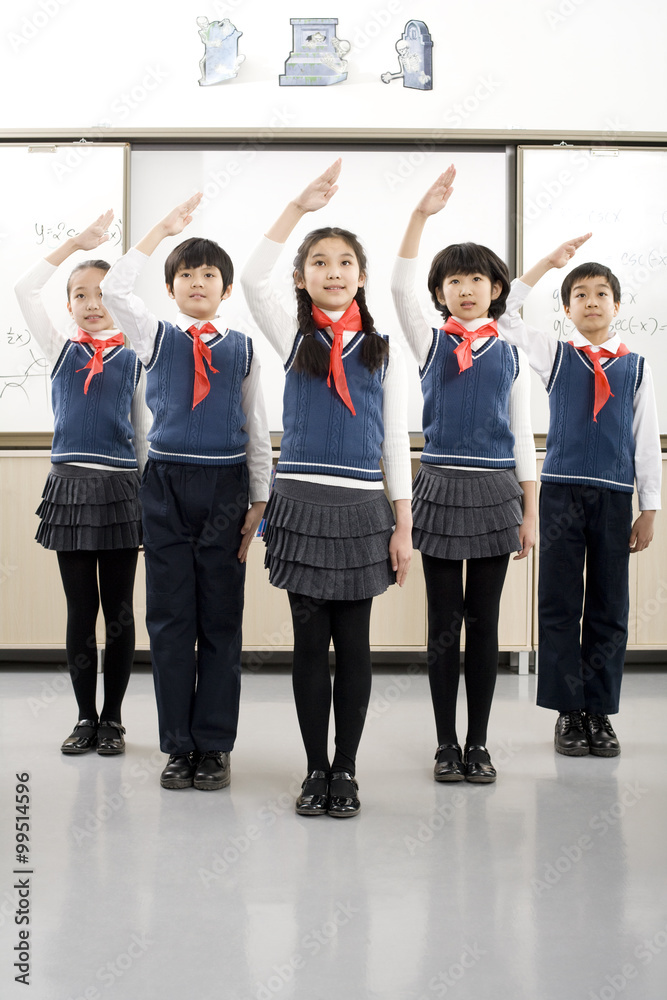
column 588, row 480
column 90, row 513
column 205, row 466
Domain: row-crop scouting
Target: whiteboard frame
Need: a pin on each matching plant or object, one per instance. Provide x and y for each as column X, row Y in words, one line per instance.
column 43, row 439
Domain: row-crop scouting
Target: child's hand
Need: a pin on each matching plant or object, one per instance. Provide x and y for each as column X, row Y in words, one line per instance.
column 526, row 536
column 181, row 216
column 320, row 191
column 400, row 553
column 641, row 535
column 96, row 233
column 438, row 194
column 566, row 251
column 249, row 529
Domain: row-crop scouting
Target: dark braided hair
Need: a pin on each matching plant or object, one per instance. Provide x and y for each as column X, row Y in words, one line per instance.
column 312, row 357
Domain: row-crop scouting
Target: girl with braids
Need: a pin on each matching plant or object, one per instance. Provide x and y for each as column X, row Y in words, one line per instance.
column 330, row 536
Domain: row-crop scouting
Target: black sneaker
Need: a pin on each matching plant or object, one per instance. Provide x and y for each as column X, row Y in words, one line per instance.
column 570, row 736
column 602, row 739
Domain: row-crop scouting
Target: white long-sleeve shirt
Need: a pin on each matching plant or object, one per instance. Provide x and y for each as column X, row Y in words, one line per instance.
column 140, row 325
column 541, row 347
column 281, row 327
column 419, row 335
column 51, row 341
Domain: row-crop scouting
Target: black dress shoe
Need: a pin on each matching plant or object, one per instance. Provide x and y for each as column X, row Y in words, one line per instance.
column 602, row 739
column 110, row 737
column 212, row 771
column 82, row 738
column 314, row 797
column 449, row 764
column 179, row 772
column 570, row 737
column 343, row 798
column 478, row 764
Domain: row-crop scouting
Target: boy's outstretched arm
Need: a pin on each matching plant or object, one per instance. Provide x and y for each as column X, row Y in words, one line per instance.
column 557, row 258
column 172, row 224
column 433, row 202
column 315, row 196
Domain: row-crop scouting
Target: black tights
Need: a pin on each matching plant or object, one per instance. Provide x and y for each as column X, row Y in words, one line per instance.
column 317, row 623
column 79, row 572
column 448, row 608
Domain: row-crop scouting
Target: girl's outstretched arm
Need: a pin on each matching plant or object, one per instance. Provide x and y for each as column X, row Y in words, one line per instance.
column 400, row 544
column 318, row 194
column 433, row 202
column 90, row 239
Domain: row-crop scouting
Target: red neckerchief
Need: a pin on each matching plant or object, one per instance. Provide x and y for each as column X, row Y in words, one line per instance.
column 350, row 320
column 464, row 350
column 602, row 390
column 95, row 364
column 200, row 351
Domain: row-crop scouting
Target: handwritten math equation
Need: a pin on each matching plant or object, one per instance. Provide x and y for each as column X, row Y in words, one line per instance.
column 55, row 235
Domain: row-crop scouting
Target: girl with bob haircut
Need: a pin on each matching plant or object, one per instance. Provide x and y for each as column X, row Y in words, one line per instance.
column 474, row 494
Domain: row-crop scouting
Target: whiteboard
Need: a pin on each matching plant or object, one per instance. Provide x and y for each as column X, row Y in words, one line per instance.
column 621, row 196
column 48, row 194
column 245, row 190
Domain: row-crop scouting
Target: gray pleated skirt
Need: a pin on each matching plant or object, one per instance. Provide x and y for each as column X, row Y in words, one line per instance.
column 466, row 514
column 328, row 542
column 89, row 509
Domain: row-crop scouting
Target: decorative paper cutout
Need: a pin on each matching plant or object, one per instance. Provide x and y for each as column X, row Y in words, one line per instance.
column 221, row 59
column 414, row 57
column 317, row 57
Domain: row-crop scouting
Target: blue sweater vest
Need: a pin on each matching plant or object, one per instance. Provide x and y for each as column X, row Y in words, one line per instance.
column 212, row 433
column 580, row 450
column 466, row 414
column 94, row 426
column 321, row 436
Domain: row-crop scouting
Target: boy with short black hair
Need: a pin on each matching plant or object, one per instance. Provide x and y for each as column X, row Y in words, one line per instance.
column 603, row 436
column 203, row 494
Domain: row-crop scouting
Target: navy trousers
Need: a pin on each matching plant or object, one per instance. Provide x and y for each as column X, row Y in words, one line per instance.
column 192, row 519
column 581, row 662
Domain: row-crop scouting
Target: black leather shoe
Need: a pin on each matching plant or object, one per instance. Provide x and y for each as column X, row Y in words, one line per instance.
column 110, row 737
column 212, row 771
column 480, row 767
column 570, row 737
column 602, row 740
column 82, row 738
column 180, row 770
column 314, row 797
column 449, row 764
column 343, row 798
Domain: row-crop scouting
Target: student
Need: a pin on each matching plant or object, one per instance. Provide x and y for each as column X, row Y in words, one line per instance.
column 329, row 534
column 203, row 494
column 90, row 512
column 474, row 495
column 603, row 436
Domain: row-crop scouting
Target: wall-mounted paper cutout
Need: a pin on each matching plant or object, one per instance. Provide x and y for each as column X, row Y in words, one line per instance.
column 221, row 59
column 317, row 57
column 414, row 56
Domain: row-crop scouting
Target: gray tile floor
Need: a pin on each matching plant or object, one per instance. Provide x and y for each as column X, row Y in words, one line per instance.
column 548, row 885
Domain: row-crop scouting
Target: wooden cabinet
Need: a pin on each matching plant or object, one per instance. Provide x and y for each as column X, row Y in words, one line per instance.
column 32, row 604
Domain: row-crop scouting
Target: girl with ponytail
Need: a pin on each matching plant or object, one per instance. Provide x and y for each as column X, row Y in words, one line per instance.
column 332, row 539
